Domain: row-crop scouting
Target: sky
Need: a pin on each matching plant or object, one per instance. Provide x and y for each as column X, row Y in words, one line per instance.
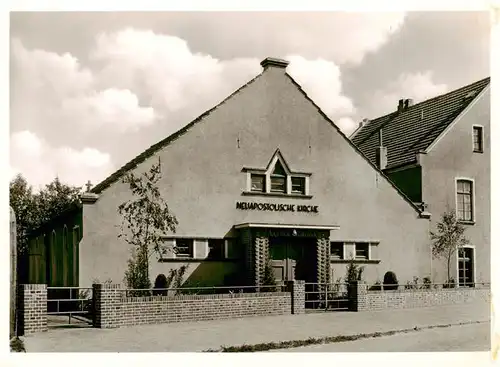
column 90, row 91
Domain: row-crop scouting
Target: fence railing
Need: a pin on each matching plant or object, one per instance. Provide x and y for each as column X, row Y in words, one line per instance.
column 150, row 292
column 327, row 296
column 70, row 301
column 409, row 287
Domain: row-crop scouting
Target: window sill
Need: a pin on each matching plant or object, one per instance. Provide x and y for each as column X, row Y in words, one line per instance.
column 334, row 260
column 193, row 260
column 478, row 151
column 276, row 194
column 467, row 222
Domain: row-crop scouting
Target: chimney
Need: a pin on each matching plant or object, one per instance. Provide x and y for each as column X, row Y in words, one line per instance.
column 401, row 105
column 363, row 122
column 404, row 104
column 381, row 153
column 274, row 62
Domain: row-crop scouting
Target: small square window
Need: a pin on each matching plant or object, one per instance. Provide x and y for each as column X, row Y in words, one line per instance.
column 184, row 247
column 337, row 250
column 362, row 250
column 298, row 185
column 215, row 249
column 478, row 139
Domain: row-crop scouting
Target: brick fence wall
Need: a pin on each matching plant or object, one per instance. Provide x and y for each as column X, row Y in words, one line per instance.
column 32, row 311
column 366, row 300
column 113, row 309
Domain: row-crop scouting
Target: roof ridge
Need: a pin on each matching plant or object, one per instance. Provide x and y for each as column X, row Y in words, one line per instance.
column 410, row 131
column 164, row 142
column 370, row 121
column 447, row 93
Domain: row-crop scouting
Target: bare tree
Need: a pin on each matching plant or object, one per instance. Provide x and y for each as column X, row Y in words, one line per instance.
column 145, row 220
column 449, row 238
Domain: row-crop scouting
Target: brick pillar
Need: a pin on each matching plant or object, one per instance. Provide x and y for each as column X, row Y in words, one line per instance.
column 357, row 297
column 323, row 257
column 298, row 290
column 33, row 310
column 107, row 305
column 261, row 244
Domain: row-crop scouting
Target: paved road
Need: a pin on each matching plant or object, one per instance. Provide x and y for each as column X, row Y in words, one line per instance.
column 203, row 335
column 466, row 338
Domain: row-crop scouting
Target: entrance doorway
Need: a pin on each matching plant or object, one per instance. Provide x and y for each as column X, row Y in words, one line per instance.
column 293, row 258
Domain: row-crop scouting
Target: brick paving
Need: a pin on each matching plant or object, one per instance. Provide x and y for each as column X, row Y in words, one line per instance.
column 202, row 335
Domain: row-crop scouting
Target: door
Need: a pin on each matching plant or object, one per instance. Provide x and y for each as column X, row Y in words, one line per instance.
column 466, row 267
column 287, row 256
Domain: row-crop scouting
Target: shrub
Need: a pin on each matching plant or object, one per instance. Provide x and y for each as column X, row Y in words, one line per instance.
column 269, row 278
column 176, row 277
column 413, row 285
column 390, row 281
column 160, row 285
column 354, row 272
column 376, row 287
column 450, row 283
column 427, row 282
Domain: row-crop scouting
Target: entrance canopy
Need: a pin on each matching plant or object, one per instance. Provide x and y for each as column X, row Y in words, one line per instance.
column 287, row 226
column 296, row 251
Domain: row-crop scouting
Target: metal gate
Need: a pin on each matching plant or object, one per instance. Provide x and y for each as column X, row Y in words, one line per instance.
column 69, row 306
column 327, row 296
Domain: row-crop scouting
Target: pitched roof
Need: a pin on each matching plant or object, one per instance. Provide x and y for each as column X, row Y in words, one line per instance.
column 414, row 129
column 163, row 143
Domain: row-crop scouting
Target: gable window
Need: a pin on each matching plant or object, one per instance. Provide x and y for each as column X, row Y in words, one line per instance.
column 477, row 132
column 362, row 250
column 298, row 185
column 215, row 249
column 258, row 183
column 278, row 178
column 184, row 247
column 337, row 250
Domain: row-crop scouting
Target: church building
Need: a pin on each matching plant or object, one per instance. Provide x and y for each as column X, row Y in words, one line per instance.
column 263, row 175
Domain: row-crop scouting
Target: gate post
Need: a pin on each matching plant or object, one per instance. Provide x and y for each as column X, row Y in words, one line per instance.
column 107, row 305
column 33, row 310
column 298, row 295
column 357, row 296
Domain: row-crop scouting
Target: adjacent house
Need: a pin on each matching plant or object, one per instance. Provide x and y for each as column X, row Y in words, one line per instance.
column 265, row 174
column 438, row 153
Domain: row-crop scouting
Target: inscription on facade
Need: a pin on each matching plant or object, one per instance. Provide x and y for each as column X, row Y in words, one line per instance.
column 243, row 205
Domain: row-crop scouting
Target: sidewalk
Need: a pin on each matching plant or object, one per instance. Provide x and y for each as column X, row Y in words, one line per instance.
column 199, row 336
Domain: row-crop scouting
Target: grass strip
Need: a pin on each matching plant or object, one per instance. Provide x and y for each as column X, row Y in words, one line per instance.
column 262, row 347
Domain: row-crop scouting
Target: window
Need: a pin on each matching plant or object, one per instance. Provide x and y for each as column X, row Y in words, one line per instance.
column 258, row 183
column 278, row 178
column 215, row 249
column 466, row 267
column 464, row 200
column 184, row 247
column 298, row 185
column 362, row 250
column 337, row 250
column 477, row 132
